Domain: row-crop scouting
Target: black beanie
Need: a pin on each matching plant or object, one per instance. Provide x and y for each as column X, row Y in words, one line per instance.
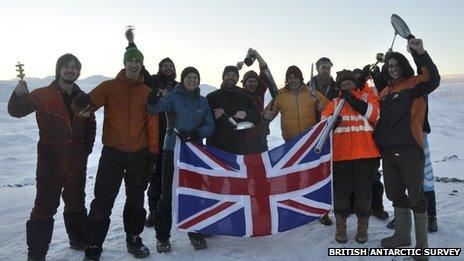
column 248, row 75
column 357, row 70
column 230, row 68
column 188, row 70
column 343, row 76
column 294, row 70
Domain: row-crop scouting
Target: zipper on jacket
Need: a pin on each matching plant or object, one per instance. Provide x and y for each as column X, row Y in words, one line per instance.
column 129, row 115
column 298, row 111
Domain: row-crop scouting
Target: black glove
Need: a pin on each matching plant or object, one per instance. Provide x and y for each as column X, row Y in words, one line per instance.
column 82, row 100
column 363, row 78
column 153, row 97
column 357, row 104
column 187, row 136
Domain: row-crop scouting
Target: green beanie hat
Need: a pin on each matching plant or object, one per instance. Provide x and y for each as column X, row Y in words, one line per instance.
column 133, row 53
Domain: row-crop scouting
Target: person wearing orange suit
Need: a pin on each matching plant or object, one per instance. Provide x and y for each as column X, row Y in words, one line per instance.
column 354, row 153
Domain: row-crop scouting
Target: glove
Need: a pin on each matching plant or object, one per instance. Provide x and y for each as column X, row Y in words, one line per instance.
column 189, row 136
column 153, row 97
column 363, row 78
column 346, row 95
column 357, row 104
column 82, row 100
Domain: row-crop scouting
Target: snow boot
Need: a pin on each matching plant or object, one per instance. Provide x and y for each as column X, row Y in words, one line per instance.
column 74, row 223
column 197, row 240
column 38, row 234
column 432, row 224
column 391, row 224
column 136, row 247
column 150, row 222
column 361, row 234
column 163, row 246
column 340, row 233
column 325, row 220
column 420, row 225
column 92, row 253
column 402, row 235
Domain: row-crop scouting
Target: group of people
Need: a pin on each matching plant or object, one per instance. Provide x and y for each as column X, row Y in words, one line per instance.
column 144, row 113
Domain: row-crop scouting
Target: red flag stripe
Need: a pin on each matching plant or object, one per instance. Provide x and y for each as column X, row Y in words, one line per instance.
column 206, row 215
column 254, row 186
column 212, row 157
column 303, row 207
column 303, row 148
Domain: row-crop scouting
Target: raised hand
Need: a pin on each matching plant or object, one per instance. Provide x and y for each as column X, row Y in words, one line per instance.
column 416, row 45
column 130, row 34
column 21, row 89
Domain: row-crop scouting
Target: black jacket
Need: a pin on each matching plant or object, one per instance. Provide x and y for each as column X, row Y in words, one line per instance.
column 160, row 82
column 395, row 128
column 330, row 91
column 225, row 137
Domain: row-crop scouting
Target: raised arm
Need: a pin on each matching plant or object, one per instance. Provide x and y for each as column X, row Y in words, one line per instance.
column 428, row 74
column 22, row 102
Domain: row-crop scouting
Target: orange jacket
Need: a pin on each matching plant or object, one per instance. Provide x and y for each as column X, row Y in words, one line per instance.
column 127, row 126
column 353, row 135
column 298, row 113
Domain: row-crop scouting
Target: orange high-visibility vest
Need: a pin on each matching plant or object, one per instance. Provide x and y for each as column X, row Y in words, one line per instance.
column 352, row 139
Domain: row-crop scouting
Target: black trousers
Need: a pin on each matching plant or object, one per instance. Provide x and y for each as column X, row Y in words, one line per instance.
column 353, row 176
column 114, row 166
column 154, row 189
column 163, row 218
column 404, row 170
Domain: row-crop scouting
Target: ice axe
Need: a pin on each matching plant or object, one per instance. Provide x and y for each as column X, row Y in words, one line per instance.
column 401, row 28
column 330, row 124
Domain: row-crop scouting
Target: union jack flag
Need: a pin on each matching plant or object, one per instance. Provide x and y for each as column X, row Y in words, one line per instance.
column 220, row 193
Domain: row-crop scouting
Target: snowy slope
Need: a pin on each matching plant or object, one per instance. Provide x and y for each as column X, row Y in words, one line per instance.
column 18, row 139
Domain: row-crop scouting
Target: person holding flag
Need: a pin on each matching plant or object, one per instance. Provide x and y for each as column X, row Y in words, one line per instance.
column 354, row 153
column 194, row 121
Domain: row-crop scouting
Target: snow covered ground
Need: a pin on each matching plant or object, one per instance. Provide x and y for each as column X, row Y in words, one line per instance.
column 18, row 139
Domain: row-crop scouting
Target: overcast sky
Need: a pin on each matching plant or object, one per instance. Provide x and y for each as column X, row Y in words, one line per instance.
column 210, row 34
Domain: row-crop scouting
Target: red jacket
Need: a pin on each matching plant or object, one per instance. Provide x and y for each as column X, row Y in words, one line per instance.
column 59, row 140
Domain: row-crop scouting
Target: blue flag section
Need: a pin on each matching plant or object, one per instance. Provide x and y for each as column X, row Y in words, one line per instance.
column 220, row 193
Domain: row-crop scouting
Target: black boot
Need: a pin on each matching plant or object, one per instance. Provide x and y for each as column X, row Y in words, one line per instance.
column 74, row 223
column 95, row 234
column 136, row 247
column 92, row 253
column 197, row 240
column 38, row 234
column 163, row 246
column 150, row 222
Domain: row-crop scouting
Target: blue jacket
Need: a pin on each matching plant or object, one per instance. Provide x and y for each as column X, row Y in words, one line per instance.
column 192, row 112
